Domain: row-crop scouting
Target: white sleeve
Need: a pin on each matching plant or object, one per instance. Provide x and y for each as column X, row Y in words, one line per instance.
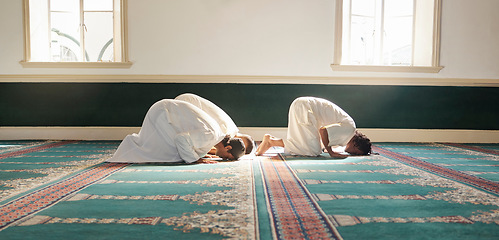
column 340, row 133
column 185, row 147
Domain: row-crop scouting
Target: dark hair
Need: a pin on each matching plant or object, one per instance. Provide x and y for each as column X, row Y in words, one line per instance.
column 225, row 141
column 362, row 142
column 248, row 142
column 238, row 147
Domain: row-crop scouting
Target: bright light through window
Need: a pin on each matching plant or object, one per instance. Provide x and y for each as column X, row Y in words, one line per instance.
column 378, row 32
column 74, row 31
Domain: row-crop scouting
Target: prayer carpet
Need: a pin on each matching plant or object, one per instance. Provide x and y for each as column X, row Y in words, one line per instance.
column 65, row 189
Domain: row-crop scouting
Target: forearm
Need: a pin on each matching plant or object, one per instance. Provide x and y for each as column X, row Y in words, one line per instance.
column 185, row 148
column 325, row 141
column 324, row 137
column 204, row 160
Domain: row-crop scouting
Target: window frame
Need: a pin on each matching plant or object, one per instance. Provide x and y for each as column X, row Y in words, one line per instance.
column 124, row 63
column 338, row 38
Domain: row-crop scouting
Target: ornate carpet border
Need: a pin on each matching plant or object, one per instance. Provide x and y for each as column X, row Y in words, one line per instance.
column 295, row 215
column 473, row 148
column 49, row 195
column 475, row 181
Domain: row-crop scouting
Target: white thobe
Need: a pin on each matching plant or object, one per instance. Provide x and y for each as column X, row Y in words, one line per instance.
column 306, row 116
column 172, row 131
column 223, row 119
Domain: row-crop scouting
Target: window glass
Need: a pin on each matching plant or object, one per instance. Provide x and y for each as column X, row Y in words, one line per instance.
column 98, row 5
column 64, row 21
column 64, row 5
column 364, row 8
column 378, row 32
column 99, row 35
column 397, row 32
column 362, row 38
column 74, row 31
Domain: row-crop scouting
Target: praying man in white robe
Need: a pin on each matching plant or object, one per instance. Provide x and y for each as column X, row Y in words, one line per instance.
column 176, row 131
column 314, row 123
column 221, row 117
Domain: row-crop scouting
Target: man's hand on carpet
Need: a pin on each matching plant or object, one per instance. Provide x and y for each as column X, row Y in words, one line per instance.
column 334, row 154
column 205, row 160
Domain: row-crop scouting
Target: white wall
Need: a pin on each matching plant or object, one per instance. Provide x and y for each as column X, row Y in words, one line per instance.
column 261, row 37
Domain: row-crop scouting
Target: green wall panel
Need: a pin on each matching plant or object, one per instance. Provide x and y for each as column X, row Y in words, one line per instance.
column 250, row 105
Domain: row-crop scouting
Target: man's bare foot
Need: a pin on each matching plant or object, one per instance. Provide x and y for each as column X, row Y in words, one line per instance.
column 268, row 142
column 264, row 146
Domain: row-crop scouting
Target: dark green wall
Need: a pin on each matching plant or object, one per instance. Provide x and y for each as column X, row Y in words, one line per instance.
column 250, row 105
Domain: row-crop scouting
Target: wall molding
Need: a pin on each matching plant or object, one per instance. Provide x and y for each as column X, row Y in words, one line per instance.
column 375, row 134
column 371, row 68
column 28, row 64
column 246, row 79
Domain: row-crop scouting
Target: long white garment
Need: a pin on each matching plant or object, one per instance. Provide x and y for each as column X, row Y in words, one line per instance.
column 226, row 124
column 306, row 116
column 172, row 131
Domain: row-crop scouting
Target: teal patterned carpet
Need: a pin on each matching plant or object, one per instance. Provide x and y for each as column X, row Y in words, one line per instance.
column 409, row 191
column 66, row 190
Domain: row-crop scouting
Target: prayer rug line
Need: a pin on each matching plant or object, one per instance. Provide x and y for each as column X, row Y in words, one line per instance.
column 35, row 149
column 345, row 220
column 49, row 195
column 294, row 212
column 473, row 148
column 475, row 181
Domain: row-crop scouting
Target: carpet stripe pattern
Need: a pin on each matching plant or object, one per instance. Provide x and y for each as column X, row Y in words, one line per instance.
column 447, row 172
column 34, row 149
column 295, row 214
column 474, row 148
column 398, row 194
column 45, row 197
column 25, row 165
